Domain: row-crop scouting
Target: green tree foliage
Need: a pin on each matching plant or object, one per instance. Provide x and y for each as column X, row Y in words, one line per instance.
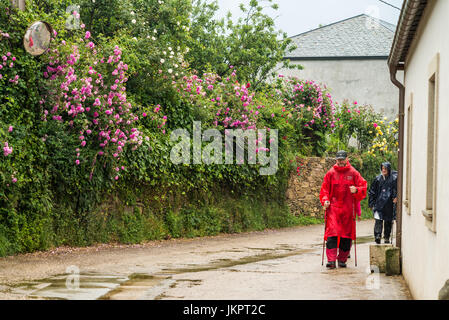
column 251, row 44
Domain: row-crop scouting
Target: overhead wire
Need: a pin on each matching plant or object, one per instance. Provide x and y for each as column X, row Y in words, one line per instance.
column 389, row 4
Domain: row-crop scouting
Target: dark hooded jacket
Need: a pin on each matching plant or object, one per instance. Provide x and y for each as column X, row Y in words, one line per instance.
column 382, row 192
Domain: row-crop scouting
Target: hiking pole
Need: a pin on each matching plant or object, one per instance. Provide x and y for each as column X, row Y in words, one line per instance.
column 324, row 237
column 355, row 232
column 355, row 248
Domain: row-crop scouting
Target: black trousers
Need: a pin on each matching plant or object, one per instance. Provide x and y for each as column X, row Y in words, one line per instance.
column 345, row 243
column 382, row 224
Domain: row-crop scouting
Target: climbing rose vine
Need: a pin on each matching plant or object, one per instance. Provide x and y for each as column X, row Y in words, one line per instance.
column 8, row 77
column 86, row 91
column 307, row 102
column 230, row 103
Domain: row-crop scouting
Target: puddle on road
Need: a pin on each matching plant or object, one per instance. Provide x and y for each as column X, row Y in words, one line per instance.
column 360, row 240
column 134, row 288
column 280, row 246
column 205, row 253
column 365, row 239
column 189, row 282
column 226, row 263
column 87, row 286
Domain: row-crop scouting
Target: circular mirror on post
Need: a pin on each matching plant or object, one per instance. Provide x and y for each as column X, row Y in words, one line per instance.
column 37, row 38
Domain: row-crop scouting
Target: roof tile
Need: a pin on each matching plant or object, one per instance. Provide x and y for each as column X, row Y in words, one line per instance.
column 354, row 37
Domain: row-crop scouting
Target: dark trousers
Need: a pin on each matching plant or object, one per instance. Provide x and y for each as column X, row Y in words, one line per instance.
column 382, row 224
column 343, row 249
column 345, row 243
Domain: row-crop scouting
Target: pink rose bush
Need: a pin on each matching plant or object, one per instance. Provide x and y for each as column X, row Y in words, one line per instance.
column 222, row 102
column 86, row 92
column 307, row 102
column 7, row 63
column 308, row 107
column 225, row 103
column 295, row 107
column 8, row 78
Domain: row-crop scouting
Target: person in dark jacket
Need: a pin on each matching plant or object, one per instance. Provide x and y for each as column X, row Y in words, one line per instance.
column 382, row 201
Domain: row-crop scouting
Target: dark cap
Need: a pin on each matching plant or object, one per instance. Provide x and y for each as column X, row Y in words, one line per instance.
column 341, row 155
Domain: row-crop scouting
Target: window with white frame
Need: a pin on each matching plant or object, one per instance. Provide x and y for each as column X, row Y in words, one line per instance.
column 430, row 212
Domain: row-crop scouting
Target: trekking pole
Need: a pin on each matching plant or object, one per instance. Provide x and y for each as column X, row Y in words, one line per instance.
column 355, row 232
column 324, row 238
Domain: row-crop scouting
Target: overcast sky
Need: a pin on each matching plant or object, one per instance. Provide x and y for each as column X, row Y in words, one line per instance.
column 298, row 16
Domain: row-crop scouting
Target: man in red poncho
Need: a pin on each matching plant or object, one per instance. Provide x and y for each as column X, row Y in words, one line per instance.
column 343, row 187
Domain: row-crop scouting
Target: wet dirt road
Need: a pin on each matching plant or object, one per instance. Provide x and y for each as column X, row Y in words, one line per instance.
column 272, row 264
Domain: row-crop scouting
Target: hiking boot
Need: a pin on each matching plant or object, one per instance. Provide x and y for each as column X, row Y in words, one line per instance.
column 331, row 265
column 341, row 264
column 377, row 240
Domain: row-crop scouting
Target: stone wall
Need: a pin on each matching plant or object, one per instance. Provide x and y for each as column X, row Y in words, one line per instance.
column 303, row 192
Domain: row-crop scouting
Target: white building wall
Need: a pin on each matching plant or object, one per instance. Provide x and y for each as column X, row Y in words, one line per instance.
column 364, row 81
column 426, row 253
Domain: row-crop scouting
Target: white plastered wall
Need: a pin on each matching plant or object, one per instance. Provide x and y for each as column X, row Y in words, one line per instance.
column 426, row 253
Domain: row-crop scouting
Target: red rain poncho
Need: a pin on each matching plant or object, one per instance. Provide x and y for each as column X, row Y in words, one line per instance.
column 340, row 216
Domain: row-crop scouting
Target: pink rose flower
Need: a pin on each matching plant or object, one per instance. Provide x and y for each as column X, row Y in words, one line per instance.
column 7, row 150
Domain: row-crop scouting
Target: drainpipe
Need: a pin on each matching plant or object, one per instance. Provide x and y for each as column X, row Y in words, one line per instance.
column 393, row 72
